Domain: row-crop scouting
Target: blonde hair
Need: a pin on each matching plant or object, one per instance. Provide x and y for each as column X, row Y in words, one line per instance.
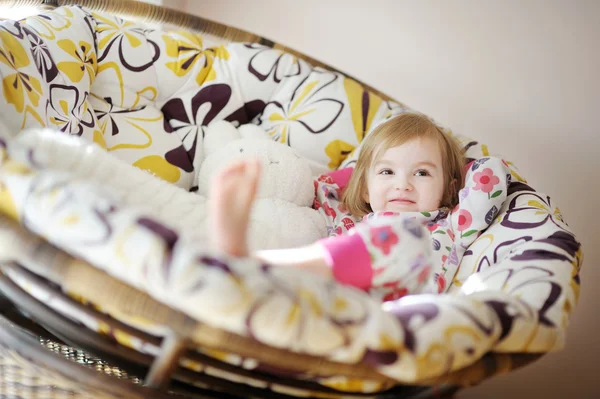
column 392, row 133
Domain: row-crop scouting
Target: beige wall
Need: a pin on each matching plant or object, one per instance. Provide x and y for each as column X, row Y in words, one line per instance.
column 520, row 75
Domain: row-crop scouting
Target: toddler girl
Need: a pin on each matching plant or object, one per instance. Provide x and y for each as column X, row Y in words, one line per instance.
column 407, row 176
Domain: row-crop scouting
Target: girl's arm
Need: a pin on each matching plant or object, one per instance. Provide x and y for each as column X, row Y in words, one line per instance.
column 396, row 246
column 345, row 258
column 312, row 258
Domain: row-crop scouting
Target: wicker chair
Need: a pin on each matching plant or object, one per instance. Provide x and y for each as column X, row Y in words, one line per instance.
column 69, row 328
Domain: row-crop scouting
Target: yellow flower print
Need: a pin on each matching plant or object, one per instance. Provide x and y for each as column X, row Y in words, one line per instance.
column 110, row 29
column 98, row 137
column 16, row 85
column 41, row 56
column 112, row 120
column 271, row 62
column 363, row 106
column 513, row 170
column 307, row 110
column 127, row 36
column 51, row 21
column 546, row 210
column 84, row 60
column 189, row 50
column 159, row 167
column 67, row 109
column 530, row 210
column 338, row 151
column 8, row 206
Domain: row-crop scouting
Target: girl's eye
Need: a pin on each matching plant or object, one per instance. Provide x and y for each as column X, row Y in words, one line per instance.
column 386, row 172
column 422, row 173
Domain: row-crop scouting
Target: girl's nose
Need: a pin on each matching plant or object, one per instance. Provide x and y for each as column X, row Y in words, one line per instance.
column 403, row 184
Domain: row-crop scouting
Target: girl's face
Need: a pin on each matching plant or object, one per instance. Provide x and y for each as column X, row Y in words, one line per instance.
column 407, row 178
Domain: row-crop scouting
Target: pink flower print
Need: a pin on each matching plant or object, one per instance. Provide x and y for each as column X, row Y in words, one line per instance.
column 485, row 180
column 348, row 223
column 464, row 220
column 325, row 179
column 378, row 270
column 331, row 192
column 466, row 168
column 424, row 274
column 432, row 227
column 316, row 204
column 450, row 234
column 441, row 282
column 397, row 290
column 384, row 238
column 329, row 210
column 397, row 293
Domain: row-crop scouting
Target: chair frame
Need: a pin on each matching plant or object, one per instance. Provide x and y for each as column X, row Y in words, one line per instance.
column 164, row 378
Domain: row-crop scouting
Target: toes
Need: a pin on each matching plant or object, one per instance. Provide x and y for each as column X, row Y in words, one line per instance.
column 253, row 169
column 252, row 177
column 232, row 169
column 229, row 175
column 237, row 182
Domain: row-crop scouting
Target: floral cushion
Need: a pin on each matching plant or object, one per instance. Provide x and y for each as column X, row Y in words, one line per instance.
column 145, row 95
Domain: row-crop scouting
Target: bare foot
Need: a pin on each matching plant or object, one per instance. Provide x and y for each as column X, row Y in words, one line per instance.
column 231, row 195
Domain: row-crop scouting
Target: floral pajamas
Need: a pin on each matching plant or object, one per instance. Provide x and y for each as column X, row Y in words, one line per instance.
column 391, row 254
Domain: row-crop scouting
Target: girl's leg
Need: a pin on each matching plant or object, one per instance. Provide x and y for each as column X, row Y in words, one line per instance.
column 232, row 191
column 231, row 195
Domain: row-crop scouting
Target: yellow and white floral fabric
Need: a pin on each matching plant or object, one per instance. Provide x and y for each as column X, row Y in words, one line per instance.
column 145, row 95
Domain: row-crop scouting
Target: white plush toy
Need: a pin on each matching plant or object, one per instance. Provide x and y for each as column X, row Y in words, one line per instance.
column 282, row 215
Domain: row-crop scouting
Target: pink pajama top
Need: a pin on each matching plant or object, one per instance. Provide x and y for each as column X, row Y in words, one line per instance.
column 390, row 254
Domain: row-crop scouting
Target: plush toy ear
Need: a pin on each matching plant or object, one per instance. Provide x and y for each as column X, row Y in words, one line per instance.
column 252, row 131
column 219, row 134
